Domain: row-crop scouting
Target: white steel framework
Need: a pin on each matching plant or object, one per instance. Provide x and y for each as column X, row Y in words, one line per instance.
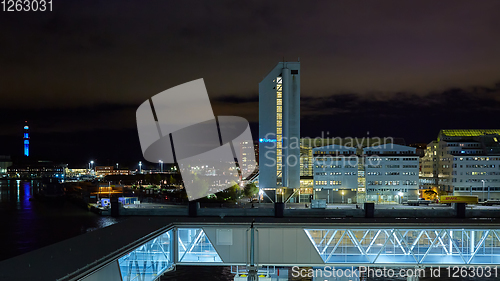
column 377, row 246
column 407, row 246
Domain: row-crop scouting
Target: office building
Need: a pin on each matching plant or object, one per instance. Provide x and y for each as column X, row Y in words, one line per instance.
column 335, row 173
column 35, row 170
column 463, row 162
column 248, row 165
column 5, row 162
column 102, row 171
column 385, row 173
column 279, row 130
column 391, row 173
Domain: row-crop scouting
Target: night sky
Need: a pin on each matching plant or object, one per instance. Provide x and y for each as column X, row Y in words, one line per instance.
column 393, row 68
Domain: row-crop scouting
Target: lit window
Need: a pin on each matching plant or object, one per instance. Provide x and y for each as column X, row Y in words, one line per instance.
column 279, row 108
column 278, row 95
column 278, row 130
column 279, row 101
column 279, row 80
column 279, row 124
column 278, row 116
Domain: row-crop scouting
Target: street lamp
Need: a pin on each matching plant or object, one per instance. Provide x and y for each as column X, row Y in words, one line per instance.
column 342, row 192
column 117, row 166
column 140, row 167
column 90, row 166
column 400, row 197
column 161, row 166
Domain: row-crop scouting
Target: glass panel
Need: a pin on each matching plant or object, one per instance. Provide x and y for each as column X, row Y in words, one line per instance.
column 194, row 246
column 148, row 261
column 409, row 246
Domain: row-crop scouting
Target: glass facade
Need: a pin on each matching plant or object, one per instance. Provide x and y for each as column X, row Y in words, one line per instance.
column 279, row 132
column 194, row 246
column 150, row 260
column 407, row 246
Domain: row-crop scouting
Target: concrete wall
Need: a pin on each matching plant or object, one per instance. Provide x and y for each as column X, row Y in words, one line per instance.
column 386, row 212
column 111, row 273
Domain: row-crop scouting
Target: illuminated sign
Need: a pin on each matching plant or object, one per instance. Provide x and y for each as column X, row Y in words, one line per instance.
column 267, row 140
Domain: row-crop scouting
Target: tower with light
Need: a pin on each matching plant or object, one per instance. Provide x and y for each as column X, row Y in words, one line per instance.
column 279, row 129
column 26, row 139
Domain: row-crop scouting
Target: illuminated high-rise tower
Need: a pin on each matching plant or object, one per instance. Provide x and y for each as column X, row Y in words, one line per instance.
column 279, row 129
column 26, row 139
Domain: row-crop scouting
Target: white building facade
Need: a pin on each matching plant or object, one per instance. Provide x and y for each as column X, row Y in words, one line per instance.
column 391, row 172
column 335, row 173
column 463, row 162
column 279, row 129
column 385, row 173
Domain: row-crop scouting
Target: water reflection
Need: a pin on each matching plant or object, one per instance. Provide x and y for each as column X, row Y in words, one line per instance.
column 28, row 224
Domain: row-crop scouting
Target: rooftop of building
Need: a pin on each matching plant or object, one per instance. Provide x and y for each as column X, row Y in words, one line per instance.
column 468, row 132
column 349, row 141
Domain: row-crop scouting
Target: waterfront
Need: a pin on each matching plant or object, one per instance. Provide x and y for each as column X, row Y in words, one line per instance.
column 28, row 225
column 33, row 224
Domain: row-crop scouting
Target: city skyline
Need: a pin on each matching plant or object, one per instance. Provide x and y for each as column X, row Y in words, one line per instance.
column 400, row 70
column 247, row 140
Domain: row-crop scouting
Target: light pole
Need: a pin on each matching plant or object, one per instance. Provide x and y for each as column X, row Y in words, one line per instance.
column 140, row 167
column 90, row 165
column 161, row 166
column 342, row 192
column 400, row 197
column 117, row 166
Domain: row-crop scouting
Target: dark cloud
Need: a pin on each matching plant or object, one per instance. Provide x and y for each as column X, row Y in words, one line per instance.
column 418, row 118
column 125, row 51
column 113, row 55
